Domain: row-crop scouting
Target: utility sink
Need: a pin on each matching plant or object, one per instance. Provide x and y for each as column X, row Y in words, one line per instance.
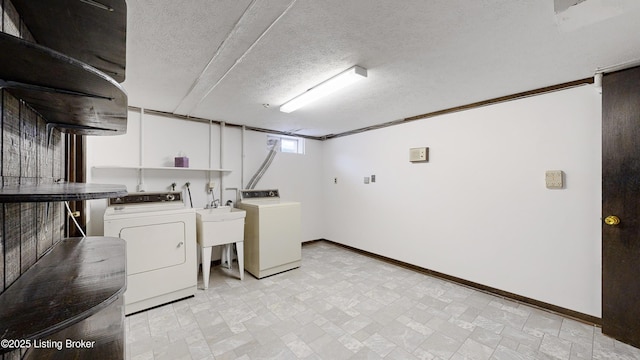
column 219, row 226
column 223, row 225
column 222, row 213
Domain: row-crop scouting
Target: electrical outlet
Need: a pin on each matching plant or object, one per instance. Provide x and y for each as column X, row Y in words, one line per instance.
column 554, row 179
column 373, row 178
column 335, row 180
column 366, row 179
column 211, row 185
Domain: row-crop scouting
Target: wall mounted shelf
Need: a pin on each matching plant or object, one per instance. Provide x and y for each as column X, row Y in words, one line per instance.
column 76, row 280
column 161, row 168
column 59, row 192
column 92, row 32
column 69, row 94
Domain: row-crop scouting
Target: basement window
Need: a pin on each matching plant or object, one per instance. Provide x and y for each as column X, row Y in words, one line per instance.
column 288, row 144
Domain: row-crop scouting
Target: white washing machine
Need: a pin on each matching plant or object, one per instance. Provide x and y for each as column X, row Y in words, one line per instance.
column 272, row 233
column 160, row 232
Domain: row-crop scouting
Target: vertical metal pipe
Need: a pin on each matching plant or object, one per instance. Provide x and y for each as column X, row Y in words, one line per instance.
column 210, row 157
column 141, row 171
column 222, row 129
column 244, row 129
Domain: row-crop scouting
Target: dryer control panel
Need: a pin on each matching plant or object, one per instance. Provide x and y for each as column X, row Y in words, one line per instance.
column 259, row 194
column 146, row 198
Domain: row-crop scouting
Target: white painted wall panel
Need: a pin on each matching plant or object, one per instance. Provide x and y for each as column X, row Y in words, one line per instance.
column 165, row 138
column 479, row 209
column 299, row 178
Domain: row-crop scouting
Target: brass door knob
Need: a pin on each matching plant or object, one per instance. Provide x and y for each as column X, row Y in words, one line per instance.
column 612, row 220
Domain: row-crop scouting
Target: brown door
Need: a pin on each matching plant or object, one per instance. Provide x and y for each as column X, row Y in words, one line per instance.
column 621, row 205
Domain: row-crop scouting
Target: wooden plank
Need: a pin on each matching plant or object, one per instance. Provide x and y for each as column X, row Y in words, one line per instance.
column 10, row 136
column 24, row 31
column 58, row 222
column 10, row 181
column 14, row 355
column 28, row 234
column 2, row 287
column 12, row 242
column 28, row 142
column 28, row 255
column 10, row 19
column 44, row 227
column 57, row 155
column 2, row 254
column 45, row 157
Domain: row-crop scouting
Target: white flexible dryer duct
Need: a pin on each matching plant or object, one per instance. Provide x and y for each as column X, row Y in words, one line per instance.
column 265, row 165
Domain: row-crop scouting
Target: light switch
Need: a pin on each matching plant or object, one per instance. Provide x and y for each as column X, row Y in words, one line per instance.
column 554, row 179
column 419, row 154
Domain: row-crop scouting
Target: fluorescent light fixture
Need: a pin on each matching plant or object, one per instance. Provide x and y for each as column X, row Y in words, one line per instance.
column 327, row 87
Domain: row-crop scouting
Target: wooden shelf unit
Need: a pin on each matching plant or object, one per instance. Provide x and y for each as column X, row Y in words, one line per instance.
column 70, row 95
column 70, row 76
column 64, row 295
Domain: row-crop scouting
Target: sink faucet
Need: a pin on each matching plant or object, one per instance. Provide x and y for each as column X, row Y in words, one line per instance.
column 213, row 204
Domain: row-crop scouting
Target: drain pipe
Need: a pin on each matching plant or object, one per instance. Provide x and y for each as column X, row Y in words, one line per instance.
column 237, row 190
column 210, row 146
column 209, row 190
column 244, row 129
column 222, row 128
column 140, row 187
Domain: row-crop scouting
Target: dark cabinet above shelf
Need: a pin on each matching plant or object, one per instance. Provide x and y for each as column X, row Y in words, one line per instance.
column 60, row 192
column 93, row 32
column 69, row 94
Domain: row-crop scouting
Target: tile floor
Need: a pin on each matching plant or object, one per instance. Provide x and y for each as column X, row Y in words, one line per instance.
column 344, row 305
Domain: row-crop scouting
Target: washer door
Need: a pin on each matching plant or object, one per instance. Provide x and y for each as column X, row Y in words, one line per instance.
column 154, row 246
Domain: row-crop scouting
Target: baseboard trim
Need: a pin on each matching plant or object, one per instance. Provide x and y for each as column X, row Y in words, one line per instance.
column 578, row 316
column 309, row 242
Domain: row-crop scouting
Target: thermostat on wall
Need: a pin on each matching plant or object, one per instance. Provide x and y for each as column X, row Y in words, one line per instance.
column 419, row 154
column 554, row 179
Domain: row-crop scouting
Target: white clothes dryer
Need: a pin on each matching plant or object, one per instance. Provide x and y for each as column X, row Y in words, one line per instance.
column 160, row 232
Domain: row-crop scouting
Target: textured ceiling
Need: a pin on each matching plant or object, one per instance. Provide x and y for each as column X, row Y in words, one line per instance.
column 223, row 59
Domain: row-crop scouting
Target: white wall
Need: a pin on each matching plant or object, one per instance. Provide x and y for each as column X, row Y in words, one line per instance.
column 297, row 176
column 479, row 209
